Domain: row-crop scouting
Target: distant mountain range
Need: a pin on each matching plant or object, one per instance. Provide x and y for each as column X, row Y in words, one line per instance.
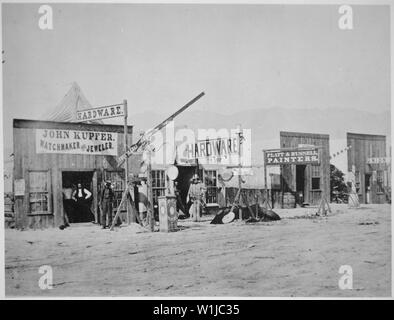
column 267, row 123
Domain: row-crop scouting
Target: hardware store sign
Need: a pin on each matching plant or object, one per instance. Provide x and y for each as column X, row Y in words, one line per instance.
column 76, row 142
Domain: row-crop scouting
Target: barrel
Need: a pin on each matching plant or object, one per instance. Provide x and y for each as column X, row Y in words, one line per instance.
column 288, row 200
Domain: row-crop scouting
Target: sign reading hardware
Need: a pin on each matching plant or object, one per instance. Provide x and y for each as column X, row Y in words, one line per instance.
column 288, row 156
column 116, row 110
column 76, row 142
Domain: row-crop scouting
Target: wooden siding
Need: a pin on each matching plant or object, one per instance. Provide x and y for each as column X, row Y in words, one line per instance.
column 26, row 158
column 292, row 140
column 365, row 146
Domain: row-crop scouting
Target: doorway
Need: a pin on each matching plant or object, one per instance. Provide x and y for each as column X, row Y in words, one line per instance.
column 300, row 184
column 75, row 212
column 368, row 188
column 185, row 174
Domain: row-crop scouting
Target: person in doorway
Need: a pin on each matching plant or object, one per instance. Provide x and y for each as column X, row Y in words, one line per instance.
column 195, row 195
column 68, row 205
column 107, row 198
column 83, row 200
column 183, row 213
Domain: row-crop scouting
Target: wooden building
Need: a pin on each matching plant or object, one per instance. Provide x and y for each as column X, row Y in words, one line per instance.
column 48, row 155
column 369, row 165
column 307, row 182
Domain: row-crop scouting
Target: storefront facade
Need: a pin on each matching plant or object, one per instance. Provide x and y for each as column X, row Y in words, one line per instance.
column 50, row 155
column 307, row 182
column 369, row 167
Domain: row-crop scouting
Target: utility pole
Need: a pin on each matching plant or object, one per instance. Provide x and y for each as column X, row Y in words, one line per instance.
column 126, row 166
column 239, row 168
column 149, row 189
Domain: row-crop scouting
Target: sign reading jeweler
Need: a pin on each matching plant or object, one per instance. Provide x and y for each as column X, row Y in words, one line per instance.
column 291, row 156
column 76, row 142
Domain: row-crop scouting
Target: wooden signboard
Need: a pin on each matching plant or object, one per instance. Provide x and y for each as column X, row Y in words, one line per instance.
column 378, row 160
column 291, row 156
column 116, row 110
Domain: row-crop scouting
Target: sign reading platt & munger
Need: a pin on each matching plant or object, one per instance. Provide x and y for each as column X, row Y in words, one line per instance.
column 296, row 156
column 76, row 142
column 101, row 113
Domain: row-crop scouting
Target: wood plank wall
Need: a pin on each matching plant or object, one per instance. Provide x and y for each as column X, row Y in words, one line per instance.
column 364, row 146
column 292, row 140
column 26, row 158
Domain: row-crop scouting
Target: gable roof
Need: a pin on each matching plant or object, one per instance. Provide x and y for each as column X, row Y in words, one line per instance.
column 73, row 101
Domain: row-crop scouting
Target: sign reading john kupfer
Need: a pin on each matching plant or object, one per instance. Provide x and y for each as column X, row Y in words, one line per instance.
column 76, row 142
column 288, row 156
column 116, row 110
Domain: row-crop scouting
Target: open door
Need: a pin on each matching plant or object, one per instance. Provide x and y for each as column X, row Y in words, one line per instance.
column 300, row 184
column 368, row 188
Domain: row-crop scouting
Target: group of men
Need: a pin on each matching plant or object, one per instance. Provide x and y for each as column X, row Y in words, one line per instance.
column 77, row 202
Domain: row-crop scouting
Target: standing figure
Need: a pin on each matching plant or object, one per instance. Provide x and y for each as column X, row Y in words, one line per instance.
column 107, row 198
column 196, row 194
column 83, row 198
column 68, row 205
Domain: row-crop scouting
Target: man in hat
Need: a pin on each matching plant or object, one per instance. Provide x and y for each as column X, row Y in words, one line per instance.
column 196, row 194
column 107, row 197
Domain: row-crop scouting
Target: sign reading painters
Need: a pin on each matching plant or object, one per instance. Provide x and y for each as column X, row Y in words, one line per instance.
column 291, row 156
column 116, row 110
column 76, row 142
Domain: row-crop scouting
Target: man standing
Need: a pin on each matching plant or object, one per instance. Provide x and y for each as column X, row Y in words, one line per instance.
column 68, row 206
column 83, row 201
column 196, row 194
column 107, row 197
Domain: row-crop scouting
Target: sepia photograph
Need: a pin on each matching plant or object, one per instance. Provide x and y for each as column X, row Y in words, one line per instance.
column 185, row 150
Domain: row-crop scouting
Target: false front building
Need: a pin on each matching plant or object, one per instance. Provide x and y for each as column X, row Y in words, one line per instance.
column 309, row 181
column 369, row 167
column 49, row 156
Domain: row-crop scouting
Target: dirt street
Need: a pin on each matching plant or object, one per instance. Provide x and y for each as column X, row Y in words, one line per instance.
column 297, row 256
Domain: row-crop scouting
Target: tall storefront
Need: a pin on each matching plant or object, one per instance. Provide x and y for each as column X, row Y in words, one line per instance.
column 49, row 156
column 369, row 167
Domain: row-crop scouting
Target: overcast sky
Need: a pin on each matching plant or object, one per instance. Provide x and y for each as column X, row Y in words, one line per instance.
column 161, row 56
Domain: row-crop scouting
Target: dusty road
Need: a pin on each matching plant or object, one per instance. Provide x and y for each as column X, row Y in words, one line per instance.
column 297, row 256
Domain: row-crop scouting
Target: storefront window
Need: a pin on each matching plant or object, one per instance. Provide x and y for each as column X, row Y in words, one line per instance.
column 158, row 184
column 211, row 185
column 315, row 177
column 39, row 192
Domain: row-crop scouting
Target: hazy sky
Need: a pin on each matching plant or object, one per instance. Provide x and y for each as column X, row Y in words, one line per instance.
column 161, row 56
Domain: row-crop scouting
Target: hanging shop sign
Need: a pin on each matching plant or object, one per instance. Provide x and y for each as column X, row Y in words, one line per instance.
column 213, row 151
column 117, row 110
column 291, row 156
column 378, row 160
column 76, row 142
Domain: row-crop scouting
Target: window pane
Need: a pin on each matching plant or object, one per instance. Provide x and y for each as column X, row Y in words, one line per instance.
column 38, row 191
column 315, row 183
column 315, row 171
